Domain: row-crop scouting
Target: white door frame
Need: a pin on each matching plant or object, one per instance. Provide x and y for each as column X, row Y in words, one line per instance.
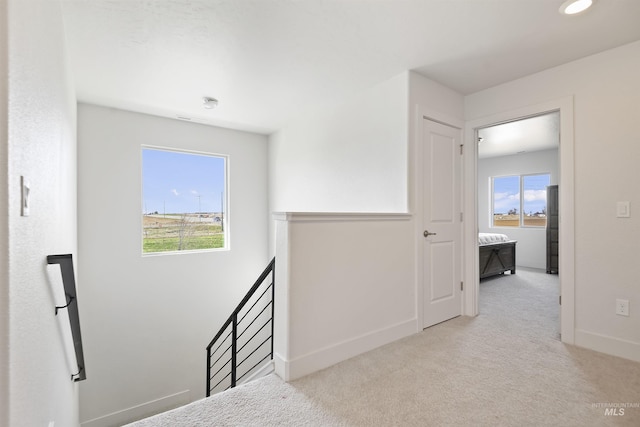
column 415, row 202
column 566, row 212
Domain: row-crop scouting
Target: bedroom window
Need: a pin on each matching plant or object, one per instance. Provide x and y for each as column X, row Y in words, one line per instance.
column 520, row 200
column 183, row 201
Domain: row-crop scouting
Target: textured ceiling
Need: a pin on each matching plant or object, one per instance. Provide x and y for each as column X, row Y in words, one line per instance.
column 267, row 61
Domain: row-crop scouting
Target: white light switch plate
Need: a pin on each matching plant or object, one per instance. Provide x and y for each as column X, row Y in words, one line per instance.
column 622, row 210
column 26, row 189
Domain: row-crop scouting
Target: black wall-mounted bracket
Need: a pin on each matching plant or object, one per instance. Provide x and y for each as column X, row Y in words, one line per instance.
column 69, row 301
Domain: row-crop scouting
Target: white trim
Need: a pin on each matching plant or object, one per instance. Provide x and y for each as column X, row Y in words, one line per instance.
column 263, row 371
column 281, row 366
column 470, row 206
column 141, row 411
column 608, row 345
column 567, row 212
column 433, row 115
column 339, row 216
column 224, row 208
column 282, row 303
column 417, row 206
column 290, row 370
column 567, row 222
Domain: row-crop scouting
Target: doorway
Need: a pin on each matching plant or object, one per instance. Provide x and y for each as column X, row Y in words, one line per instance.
column 517, row 165
column 564, row 107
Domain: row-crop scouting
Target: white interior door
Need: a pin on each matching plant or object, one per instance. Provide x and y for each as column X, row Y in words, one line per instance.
column 441, row 197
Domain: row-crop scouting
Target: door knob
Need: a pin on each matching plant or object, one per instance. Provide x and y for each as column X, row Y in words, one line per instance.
column 427, row 234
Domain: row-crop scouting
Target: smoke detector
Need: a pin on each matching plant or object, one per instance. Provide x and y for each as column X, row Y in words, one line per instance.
column 209, row 103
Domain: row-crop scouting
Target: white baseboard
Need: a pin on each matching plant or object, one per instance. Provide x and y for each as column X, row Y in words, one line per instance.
column 264, row 370
column 138, row 412
column 290, row 370
column 608, row 345
column 281, row 366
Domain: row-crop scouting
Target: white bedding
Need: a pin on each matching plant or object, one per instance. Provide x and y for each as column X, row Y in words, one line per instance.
column 488, row 238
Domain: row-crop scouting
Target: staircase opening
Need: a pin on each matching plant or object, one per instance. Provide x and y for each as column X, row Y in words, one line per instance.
column 244, row 344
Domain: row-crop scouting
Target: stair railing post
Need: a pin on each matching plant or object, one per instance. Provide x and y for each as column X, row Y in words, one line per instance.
column 234, row 347
column 208, row 371
column 273, row 302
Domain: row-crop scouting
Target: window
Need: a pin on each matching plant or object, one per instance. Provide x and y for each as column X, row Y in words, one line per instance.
column 520, row 200
column 183, row 201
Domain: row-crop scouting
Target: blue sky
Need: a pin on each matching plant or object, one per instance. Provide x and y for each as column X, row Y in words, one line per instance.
column 506, row 192
column 178, row 182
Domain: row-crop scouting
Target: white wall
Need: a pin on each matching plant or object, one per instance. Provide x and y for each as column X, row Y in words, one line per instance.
column 431, row 99
column 357, row 272
column 357, row 156
column 435, row 102
column 4, row 220
column 531, row 249
column 345, row 285
column 147, row 320
column 606, row 93
column 42, row 147
column 350, row 158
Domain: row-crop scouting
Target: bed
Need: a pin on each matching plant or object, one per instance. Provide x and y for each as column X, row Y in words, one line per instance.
column 497, row 254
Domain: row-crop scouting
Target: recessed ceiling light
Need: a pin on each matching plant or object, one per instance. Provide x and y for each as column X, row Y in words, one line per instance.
column 209, row 102
column 572, row 7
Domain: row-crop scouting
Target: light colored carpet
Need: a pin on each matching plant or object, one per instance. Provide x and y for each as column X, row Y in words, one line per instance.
column 505, row 367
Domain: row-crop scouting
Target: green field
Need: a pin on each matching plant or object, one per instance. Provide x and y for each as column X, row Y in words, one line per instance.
column 180, row 233
column 501, row 220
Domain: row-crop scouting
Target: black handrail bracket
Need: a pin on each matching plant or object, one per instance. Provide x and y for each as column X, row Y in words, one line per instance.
column 69, row 283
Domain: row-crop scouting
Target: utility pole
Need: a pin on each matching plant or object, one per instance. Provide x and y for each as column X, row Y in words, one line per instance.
column 222, row 210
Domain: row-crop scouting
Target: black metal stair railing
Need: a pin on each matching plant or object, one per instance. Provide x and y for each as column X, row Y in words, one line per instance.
column 245, row 340
column 69, row 284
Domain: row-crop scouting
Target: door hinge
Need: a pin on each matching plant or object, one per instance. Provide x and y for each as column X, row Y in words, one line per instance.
column 462, row 286
column 461, row 148
column 560, row 299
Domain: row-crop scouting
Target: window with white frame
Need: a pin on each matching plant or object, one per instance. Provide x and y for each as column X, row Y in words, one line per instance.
column 183, row 201
column 519, row 200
